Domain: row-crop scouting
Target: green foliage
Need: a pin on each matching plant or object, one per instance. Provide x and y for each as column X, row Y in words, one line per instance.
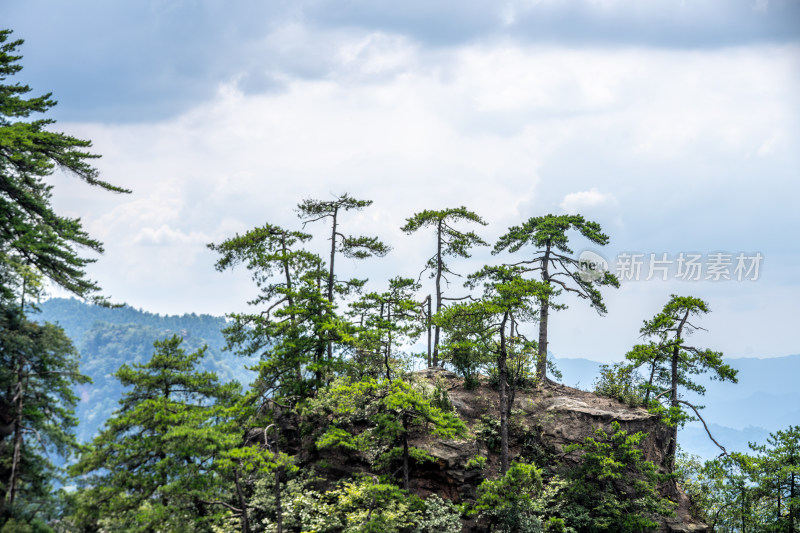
column 489, row 328
column 614, row 488
column 359, row 504
column 353, row 247
column 177, row 454
column 621, row 382
column 488, row 430
column 670, row 362
column 290, row 335
column 38, row 370
column 390, row 410
column 383, row 323
column 439, row 515
column 29, row 152
column 741, row 492
column 439, row 396
column 558, row 271
column 450, row 242
column 477, row 462
column 14, row 525
column 454, row 243
column 519, row 502
column 153, row 464
column 108, row 337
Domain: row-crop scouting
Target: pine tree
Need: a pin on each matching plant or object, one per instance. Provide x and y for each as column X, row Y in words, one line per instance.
column 487, row 325
column 450, row 242
column 354, row 247
column 548, row 235
column 391, row 411
column 383, row 323
column 30, row 151
column 675, row 361
column 152, row 468
column 614, row 485
column 778, row 476
column 291, row 331
column 38, row 370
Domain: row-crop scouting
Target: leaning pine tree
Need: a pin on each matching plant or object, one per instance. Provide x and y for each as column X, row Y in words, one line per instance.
column 673, row 361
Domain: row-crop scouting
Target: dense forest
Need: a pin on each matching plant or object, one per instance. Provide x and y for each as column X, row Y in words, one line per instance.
column 331, row 429
column 108, row 337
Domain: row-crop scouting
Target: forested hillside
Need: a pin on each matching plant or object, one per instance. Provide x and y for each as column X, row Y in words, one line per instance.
column 420, row 402
column 763, row 401
column 107, row 338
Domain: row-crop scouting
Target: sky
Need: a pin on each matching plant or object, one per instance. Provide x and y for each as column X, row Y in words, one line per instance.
column 673, row 124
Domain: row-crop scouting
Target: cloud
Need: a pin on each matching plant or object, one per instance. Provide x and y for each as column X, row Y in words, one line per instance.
column 130, row 61
column 665, row 146
column 167, row 236
column 575, row 202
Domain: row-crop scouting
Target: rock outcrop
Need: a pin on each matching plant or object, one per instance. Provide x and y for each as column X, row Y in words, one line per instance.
column 543, row 421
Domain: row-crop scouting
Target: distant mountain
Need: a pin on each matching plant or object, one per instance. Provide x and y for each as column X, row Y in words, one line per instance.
column 77, row 318
column 107, row 338
column 766, row 399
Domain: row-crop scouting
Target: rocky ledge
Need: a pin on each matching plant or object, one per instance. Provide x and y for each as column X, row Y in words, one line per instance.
column 544, row 420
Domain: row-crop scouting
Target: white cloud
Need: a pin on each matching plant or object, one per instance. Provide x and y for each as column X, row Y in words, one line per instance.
column 509, row 131
column 167, row 236
column 575, row 202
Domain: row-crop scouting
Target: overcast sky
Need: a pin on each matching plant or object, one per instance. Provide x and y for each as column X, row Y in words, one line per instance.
column 675, row 125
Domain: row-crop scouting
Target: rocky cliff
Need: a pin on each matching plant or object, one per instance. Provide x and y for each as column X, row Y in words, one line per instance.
column 543, row 421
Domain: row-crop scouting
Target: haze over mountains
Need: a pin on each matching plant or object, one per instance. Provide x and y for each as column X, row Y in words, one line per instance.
column 765, row 400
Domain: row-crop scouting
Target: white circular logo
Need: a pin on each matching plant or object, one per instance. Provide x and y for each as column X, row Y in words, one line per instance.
column 592, row 266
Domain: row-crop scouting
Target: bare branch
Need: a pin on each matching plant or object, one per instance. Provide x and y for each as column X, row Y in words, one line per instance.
column 721, row 447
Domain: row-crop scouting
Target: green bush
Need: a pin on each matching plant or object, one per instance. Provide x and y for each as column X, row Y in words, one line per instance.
column 476, row 463
column 621, row 382
column 439, row 516
column 509, row 503
column 488, row 430
column 614, row 488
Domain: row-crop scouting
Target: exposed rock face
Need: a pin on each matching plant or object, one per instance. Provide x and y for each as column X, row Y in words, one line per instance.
column 542, row 422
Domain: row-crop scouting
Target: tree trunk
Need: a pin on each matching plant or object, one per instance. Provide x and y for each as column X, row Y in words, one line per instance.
column 672, row 449
column 16, row 456
column 245, row 521
column 673, row 438
column 793, row 504
column 289, row 298
column 511, row 379
column 330, row 273
column 744, row 512
column 650, row 381
column 544, row 308
column 429, row 330
column 405, row 451
column 388, row 342
column 502, row 372
column 438, row 291
column 20, row 399
column 278, row 504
